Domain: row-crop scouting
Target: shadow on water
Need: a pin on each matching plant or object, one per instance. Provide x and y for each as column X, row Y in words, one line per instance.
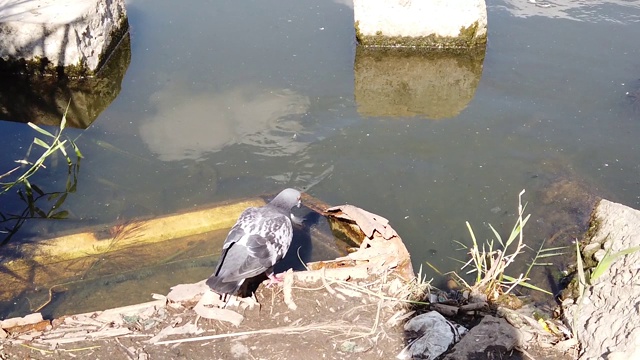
column 303, row 249
column 312, row 241
column 405, row 83
column 36, row 204
column 27, row 96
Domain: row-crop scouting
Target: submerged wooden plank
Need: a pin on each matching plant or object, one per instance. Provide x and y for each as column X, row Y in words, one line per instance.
column 120, row 236
column 97, row 251
column 66, row 263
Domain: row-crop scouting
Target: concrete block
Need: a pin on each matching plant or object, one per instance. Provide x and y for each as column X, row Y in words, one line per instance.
column 442, row 24
column 89, row 96
column 49, row 35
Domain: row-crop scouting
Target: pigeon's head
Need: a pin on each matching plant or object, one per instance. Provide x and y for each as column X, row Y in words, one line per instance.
column 287, row 199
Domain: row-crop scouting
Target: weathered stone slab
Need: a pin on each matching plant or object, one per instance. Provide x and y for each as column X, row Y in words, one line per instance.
column 606, row 317
column 442, row 24
column 45, row 36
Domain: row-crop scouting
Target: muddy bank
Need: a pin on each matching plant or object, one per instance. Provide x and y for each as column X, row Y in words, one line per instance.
column 352, row 305
column 357, row 306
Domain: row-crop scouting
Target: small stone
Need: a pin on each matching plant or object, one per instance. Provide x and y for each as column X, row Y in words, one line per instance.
column 239, row 350
column 599, row 255
column 590, row 249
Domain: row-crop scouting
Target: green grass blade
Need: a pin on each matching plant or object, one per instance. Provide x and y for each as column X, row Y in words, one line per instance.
column 526, row 284
column 76, row 149
column 497, row 236
column 60, row 215
column 40, row 130
column 60, row 201
column 549, row 255
column 432, row 268
column 37, row 189
column 608, row 259
column 39, row 142
column 554, row 248
column 582, row 281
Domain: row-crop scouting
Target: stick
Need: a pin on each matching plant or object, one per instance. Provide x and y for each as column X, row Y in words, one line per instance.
column 280, row 330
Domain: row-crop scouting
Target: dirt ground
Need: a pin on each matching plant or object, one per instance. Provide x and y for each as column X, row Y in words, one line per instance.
column 331, row 321
column 352, row 307
column 355, row 326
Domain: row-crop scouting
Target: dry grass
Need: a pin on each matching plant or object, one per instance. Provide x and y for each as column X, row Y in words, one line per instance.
column 386, row 293
column 296, row 328
column 490, row 260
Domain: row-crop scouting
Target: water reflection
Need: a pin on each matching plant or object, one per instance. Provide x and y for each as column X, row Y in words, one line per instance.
column 615, row 11
column 43, row 100
column 551, row 91
column 347, row 3
column 187, row 125
column 36, row 204
column 397, row 83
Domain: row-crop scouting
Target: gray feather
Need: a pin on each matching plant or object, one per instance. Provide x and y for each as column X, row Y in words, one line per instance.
column 259, row 239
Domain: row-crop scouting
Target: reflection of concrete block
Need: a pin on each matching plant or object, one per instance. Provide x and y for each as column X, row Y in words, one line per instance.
column 396, row 82
column 425, row 23
column 43, row 36
column 43, row 100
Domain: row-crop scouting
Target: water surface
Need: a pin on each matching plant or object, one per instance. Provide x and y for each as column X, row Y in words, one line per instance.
column 225, row 100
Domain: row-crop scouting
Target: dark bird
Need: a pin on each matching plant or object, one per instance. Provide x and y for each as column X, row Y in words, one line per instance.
column 258, row 240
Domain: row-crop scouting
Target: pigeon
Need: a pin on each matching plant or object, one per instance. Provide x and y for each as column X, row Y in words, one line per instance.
column 258, row 240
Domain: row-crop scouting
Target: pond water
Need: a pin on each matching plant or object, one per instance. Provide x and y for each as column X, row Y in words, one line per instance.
column 223, row 100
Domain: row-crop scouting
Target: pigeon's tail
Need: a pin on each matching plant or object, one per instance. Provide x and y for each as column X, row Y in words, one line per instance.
column 221, row 287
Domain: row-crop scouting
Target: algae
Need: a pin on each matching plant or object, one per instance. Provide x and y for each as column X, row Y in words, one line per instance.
column 43, row 67
column 467, row 38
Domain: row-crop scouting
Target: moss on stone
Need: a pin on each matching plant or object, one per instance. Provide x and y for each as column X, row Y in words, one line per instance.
column 76, row 70
column 358, row 33
column 470, row 35
column 41, row 66
column 467, row 38
column 594, row 226
column 116, row 37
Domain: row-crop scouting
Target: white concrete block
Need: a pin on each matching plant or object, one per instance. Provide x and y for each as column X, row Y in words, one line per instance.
column 75, row 34
column 421, row 23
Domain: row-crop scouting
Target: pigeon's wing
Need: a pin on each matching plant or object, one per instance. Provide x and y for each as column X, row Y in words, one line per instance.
column 266, row 242
column 240, row 229
column 244, row 225
column 239, row 265
column 233, row 255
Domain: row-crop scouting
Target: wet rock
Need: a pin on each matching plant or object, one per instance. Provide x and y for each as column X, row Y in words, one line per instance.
column 490, row 339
